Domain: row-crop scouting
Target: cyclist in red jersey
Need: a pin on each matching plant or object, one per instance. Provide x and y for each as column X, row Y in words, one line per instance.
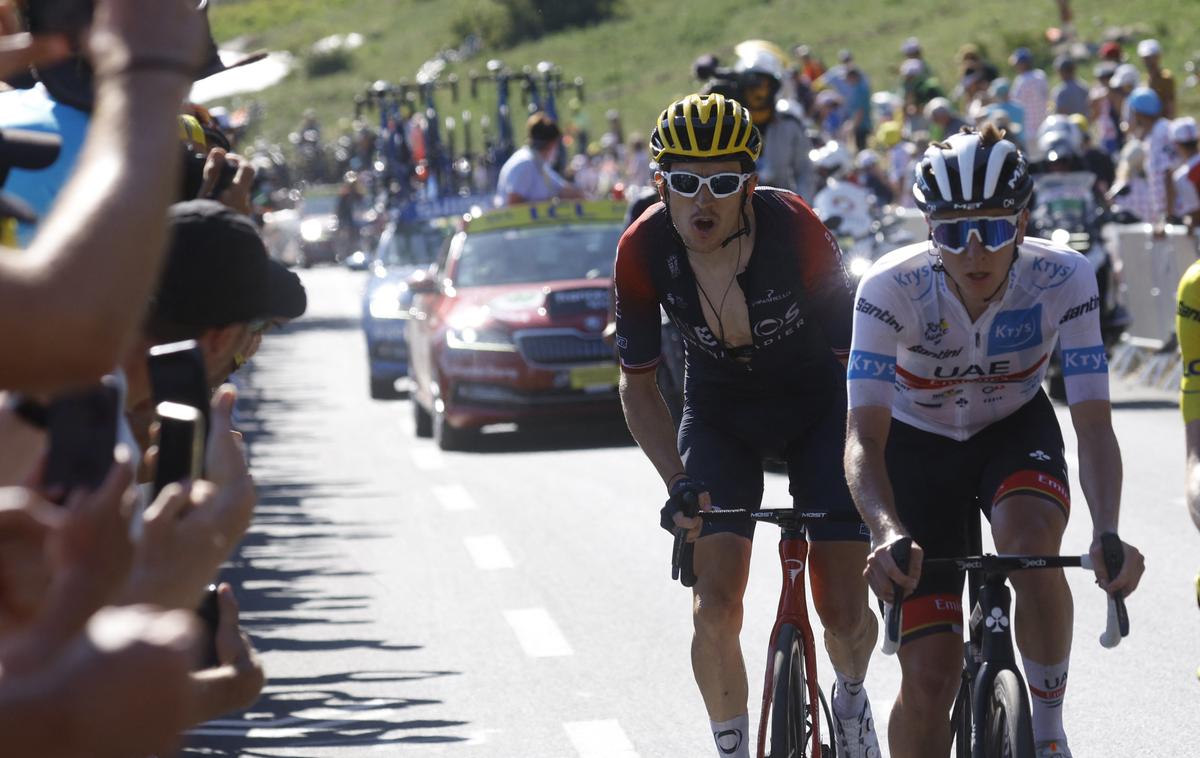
column 756, row 287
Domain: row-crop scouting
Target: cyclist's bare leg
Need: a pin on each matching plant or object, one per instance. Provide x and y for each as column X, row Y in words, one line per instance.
column 1044, row 610
column 839, row 592
column 722, row 563
column 930, row 673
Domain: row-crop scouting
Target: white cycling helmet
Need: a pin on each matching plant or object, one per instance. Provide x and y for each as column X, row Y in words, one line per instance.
column 758, row 56
column 831, row 158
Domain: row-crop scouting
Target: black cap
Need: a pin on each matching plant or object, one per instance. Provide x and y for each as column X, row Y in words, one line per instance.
column 218, row 271
column 72, row 82
column 21, row 148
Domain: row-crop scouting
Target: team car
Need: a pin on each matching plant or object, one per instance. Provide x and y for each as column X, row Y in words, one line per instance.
column 405, row 247
column 507, row 325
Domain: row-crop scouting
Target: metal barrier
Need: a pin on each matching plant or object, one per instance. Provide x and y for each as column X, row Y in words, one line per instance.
column 1150, row 270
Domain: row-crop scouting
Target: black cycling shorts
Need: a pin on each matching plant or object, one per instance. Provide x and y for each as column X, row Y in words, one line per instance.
column 724, row 438
column 940, row 484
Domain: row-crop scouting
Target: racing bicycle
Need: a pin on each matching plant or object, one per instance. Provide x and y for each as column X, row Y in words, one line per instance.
column 991, row 717
column 793, row 706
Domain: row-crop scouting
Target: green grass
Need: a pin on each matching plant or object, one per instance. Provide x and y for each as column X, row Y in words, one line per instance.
column 642, row 60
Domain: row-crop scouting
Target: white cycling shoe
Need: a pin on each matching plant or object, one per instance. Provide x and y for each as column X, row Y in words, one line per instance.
column 855, row 735
column 1052, row 749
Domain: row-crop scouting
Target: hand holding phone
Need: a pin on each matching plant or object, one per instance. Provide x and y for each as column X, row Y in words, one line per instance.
column 181, row 437
column 82, row 428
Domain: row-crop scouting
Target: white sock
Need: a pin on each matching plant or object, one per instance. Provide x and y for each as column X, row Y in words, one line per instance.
column 1047, row 684
column 850, row 696
column 732, row 737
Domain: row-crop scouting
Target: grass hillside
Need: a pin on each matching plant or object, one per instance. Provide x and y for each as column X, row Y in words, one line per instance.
column 642, row 59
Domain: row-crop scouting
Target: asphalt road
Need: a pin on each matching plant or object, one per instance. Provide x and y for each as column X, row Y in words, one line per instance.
column 515, row 601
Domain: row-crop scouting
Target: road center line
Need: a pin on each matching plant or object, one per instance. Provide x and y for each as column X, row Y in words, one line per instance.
column 538, row 634
column 454, row 497
column 599, row 739
column 489, row 553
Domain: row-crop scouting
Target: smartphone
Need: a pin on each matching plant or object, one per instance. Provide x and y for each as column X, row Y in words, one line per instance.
column 181, row 437
column 177, row 375
column 210, row 615
column 59, row 16
column 83, row 433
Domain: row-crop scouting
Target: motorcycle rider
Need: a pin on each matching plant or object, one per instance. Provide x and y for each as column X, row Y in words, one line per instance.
column 785, row 156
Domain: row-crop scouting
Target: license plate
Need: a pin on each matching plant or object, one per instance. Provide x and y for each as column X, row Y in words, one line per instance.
column 594, row 377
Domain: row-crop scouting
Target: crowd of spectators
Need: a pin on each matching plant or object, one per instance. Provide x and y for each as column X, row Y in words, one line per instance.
column 134, row 240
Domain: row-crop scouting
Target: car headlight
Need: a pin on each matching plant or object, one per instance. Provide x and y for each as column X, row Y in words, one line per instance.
column 385, row 302
column 480, row 338
column 312, row 229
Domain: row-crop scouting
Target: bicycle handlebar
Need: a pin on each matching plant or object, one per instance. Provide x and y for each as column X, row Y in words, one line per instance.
column 1117, row 622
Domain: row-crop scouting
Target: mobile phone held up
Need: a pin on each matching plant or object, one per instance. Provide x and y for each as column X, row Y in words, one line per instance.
column 177, row 375
column 181, row 436
column 82, row 427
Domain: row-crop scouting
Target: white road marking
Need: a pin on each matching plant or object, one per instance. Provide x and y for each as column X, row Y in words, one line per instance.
column 427, row 458
column 538, row 634
column 454, row 497
column 489, row 553
column 599, row 739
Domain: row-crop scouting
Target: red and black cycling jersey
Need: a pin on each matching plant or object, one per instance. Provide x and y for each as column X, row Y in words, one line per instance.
column 799, row 299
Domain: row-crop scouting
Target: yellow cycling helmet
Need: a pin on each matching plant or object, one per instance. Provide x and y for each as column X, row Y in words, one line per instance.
column 191, row 133
column 705, row 128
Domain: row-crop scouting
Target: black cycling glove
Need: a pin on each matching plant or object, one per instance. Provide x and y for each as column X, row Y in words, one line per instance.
column 684, row 498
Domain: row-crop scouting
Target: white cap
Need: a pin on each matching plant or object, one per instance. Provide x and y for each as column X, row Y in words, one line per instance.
column 1126, row 75
column 1148, row 47
column 911, row 67
column 911, row 46
column 1184, row 130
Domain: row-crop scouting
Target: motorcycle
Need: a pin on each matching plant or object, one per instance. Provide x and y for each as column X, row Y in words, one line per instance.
column 1065, row 211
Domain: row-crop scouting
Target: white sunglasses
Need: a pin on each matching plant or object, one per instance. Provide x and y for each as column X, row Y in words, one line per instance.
column 687, row 184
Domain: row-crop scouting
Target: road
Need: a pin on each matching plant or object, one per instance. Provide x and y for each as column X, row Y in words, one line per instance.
column 515, row 601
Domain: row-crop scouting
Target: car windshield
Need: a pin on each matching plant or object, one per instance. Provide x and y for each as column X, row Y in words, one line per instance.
column 320, row 205
column 412, row 246
column 518, row 256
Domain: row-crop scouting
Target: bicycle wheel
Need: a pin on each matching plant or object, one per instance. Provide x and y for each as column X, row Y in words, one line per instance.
column 788, row 735
column 1008, row 732
column 960, row 722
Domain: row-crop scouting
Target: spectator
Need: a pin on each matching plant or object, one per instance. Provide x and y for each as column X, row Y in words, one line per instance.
column 79, row 292
column 1069, row 96
column 829, row 115
column 219, row 287
column 999, row 92
column 811, row 67
column 1160, row 79
column 1111, row 52
column 1186, row 176
column 970, row 58
column 943, row 121
column 1110, row 125
column 528, row 175
column 1030, row 89
column 917, row 87
column 911, row 50
column 784, row 161
column 1095, row 160
column 858, row 106
column 1144, row 171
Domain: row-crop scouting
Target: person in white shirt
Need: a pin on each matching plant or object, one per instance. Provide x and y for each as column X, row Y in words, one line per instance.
column 1030, row 89
column 528, row 176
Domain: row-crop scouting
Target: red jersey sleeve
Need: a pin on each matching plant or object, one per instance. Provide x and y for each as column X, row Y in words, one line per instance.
column 639, row 324
column 824, row 277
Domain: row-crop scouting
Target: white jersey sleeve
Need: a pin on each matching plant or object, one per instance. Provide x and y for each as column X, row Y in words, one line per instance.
column 878, row 332
column 1084, row 360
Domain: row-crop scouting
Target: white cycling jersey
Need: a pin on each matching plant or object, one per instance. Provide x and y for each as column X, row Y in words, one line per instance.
column 915, row 349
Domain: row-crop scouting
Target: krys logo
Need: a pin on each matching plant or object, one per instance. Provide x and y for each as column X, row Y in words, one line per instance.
column 1013, row 331
column 1048, row 274
column 916, row 282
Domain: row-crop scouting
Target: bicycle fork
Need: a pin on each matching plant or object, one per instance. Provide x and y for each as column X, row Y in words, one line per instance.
column 793, row 609
column 991, row 641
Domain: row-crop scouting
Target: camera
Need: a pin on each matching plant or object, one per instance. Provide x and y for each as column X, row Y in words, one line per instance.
column 59, row 16
column 193, row 176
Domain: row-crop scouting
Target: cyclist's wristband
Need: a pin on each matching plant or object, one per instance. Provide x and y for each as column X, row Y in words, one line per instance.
column 674, row 478
column 156, row 63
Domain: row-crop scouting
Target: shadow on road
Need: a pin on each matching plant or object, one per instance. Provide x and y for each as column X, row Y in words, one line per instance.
column 287, row 573
column 580, row 435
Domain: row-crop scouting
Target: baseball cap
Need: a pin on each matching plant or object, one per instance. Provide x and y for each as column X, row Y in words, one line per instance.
column 1020, row 55
column 1148, row 47
column 1126, row 75
column 1145, row 101
column 218, row 272
column 911, row 46
column 1184, row 130
column 20, row 148
column 845, row 56
column 911, row 67
column 1110, row 51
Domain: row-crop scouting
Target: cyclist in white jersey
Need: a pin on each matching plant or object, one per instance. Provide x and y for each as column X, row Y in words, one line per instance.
column 950, row 346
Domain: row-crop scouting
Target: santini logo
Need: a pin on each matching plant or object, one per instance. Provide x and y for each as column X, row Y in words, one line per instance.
column 882, row 314
column 1079, row 310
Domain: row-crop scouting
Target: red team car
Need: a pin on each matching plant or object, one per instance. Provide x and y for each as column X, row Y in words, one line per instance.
column 507, row 325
